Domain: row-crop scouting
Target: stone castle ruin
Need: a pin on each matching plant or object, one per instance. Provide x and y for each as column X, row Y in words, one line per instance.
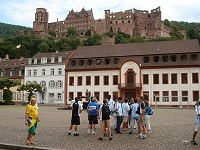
column 134, row 22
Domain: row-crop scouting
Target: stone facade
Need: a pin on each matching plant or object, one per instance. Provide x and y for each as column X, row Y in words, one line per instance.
column 134, row 22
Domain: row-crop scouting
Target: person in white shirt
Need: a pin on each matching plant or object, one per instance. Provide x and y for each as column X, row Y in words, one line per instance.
column 125, row 111
column 197, row 110
column 119, row 114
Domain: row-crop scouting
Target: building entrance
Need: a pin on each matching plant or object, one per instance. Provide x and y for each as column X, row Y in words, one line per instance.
column 130, row 94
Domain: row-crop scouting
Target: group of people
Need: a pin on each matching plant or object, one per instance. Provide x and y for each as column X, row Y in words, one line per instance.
column 116, row 114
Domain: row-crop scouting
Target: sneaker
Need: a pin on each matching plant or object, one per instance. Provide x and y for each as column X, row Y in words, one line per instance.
column 76, row 134
column 100, row 139
column 143, row 137
column 194, row 143
column 139, row 136
column 93, row 132
column 88, row 132
column 134, row 127
column 69, row 133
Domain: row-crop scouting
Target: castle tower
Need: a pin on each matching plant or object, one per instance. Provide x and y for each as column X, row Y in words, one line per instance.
column 107, row 19
column 41, row 20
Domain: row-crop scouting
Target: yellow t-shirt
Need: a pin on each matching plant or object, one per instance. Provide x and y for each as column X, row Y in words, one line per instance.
column 32, row 111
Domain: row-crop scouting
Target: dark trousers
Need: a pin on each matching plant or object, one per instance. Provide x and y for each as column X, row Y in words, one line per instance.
column 119, row 122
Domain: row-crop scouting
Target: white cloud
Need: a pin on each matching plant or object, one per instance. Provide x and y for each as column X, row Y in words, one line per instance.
column 22, row 12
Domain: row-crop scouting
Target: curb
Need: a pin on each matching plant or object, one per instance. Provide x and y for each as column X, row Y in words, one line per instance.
column 23, row 147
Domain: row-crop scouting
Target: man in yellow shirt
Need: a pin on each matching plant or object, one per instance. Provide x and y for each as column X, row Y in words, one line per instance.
column 31, row 119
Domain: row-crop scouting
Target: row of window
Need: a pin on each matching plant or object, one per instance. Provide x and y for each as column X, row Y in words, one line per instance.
column 15, row 96
column 172, row 58
column 89, row 62
column 96, row 80
column 12, row 72
column 52, row 83
column 43, row 72
column 146, row 59
column 174, row 78
column 89, row 94
column 173, row 96
column 44, row 60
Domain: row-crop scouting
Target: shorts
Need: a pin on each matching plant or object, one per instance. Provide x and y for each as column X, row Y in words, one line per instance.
column 93, row 119
column 75, row 120
column 196, row 129
column 125, row 119
column 105, row 123
column 142, row 120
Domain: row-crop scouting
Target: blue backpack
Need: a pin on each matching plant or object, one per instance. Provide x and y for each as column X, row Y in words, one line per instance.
column 150, row 111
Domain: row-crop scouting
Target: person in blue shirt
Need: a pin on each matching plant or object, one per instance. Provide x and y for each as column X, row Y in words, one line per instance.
column 93, row 112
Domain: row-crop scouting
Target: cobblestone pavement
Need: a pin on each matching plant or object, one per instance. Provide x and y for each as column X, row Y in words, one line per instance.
column 171, row 129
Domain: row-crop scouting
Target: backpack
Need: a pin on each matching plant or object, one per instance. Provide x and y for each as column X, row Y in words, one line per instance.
column 75, row 107
column 150, row 111
column 105, row 110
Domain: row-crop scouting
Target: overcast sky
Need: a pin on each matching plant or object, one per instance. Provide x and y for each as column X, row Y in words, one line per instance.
column 22, row 12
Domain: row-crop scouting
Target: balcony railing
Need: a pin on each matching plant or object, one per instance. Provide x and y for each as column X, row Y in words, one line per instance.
column 129, row 85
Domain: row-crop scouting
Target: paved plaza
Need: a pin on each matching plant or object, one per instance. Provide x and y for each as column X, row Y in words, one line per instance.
column 171, row 129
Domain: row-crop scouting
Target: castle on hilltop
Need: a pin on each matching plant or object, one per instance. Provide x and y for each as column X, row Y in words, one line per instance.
column 134, row 22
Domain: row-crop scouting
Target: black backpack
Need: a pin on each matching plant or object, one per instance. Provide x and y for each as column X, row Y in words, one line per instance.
column 105, row 112
column 75, row 107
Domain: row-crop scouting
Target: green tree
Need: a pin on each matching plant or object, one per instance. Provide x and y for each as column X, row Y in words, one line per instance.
column 167, row 23
column 5, row 85
column 120, row 39
column 30, row 88
column 93, row 40
column 43, row 47
column 72, row 31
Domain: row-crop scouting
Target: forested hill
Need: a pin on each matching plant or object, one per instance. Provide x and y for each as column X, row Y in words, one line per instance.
column 9, row 30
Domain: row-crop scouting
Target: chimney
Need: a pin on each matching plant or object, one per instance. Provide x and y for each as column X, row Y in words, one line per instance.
column 7, row 57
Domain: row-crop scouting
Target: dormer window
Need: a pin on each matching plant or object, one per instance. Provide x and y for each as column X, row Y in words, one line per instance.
column 23, row 63
column 43, row 60
column 173, row 58
column 98, row 61
column 73, row 62
column 81, row 62
column 35, row 60
column 107, row 61
column 12, row 72
column 13, row 64
column 60, row 59
column 194, row 57
column 116, row 60
column 3, row 72
column 146, row 59
column 89, row 62
column 52, row 59
column 21, row 72
column 156, row 58
column 183, row 57
column 165, row 58
column 5, row 64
